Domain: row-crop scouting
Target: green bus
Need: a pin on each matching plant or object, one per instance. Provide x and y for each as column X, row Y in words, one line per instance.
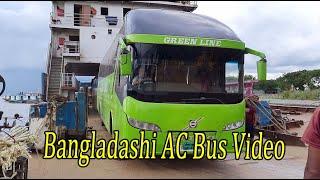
column 168, row 71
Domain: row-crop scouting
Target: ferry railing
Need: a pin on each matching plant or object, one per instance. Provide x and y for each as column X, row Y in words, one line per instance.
column 71, row 47
column 176, row 3
column 68, row 80
column 77, row 19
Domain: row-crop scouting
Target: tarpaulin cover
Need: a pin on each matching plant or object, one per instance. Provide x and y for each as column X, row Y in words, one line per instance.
column 264, row 113
column 176, row 23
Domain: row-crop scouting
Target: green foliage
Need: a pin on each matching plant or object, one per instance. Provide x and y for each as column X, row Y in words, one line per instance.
column 298, row 79
column 267, row 85
column 231, row 79
column 249, row 77
column 301, row 95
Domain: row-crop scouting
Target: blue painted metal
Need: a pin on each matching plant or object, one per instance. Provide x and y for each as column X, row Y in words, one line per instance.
column 82, row 111
column 263, row 110
column 66, row 115
column 44, row 85
column 73, row 115
column 43, row 109
column 38, row 110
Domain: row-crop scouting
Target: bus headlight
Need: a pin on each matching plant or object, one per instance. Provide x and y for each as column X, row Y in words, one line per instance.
column 144, row 125
column 234, row 125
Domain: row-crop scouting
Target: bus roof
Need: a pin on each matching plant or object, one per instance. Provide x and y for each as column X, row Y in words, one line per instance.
column 176, row 23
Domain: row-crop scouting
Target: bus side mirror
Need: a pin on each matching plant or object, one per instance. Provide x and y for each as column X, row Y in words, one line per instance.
column 125, row 63
column 262, row 70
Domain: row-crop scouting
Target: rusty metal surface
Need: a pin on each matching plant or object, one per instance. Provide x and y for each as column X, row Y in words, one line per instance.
column 293, row 105
column 289, row 139
column 291, row 108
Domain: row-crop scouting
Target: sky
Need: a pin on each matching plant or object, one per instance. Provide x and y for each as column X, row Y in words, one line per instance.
column 287, row 32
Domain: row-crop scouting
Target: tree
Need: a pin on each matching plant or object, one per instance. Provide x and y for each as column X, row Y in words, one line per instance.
column 315, row 82
column 268, row 85
column 249, row 77
column 299, row 79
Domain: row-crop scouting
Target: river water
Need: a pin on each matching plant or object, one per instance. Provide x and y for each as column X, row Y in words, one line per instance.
column 10, row 109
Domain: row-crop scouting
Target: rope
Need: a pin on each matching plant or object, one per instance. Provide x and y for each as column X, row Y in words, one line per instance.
column 265, row 110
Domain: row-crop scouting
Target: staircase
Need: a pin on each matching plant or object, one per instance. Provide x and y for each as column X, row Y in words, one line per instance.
column 54, row 77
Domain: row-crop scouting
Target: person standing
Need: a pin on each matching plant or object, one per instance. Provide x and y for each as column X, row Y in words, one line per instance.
column 251, row 118
column 311, row 137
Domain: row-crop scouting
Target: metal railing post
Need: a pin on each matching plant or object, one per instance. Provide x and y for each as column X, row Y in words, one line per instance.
column 77, row 19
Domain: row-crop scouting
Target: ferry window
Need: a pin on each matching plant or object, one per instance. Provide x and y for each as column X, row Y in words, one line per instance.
column 125, row 11
column 104, row 11
column 93, row 36
column 73, row 38
column 109, row 31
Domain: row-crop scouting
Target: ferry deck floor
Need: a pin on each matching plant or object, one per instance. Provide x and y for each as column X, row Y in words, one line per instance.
column 292, row 166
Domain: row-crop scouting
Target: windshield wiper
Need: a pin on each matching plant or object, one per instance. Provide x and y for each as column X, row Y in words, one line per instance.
column 202, row 98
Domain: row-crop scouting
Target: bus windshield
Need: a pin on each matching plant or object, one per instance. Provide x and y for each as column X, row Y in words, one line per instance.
column 164, row 68
column 167, row 68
